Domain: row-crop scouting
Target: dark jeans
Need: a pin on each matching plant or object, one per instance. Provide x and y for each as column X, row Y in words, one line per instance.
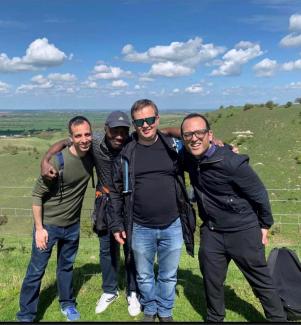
column 109, row 255
column 245, row 248
column 67, row 240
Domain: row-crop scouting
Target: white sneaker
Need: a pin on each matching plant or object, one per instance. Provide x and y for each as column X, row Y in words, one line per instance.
column 134, row 306
column 105, row 300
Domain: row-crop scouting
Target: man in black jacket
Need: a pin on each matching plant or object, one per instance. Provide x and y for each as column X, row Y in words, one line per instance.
column 234, row 206
column 150, row 210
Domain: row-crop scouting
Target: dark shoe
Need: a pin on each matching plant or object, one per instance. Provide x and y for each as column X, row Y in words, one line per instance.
column 167, row 319
column 149, row 318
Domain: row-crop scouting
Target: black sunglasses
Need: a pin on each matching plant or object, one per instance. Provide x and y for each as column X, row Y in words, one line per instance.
column 149, row 120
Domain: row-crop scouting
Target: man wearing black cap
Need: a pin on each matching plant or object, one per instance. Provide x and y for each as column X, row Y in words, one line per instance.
column 104, row 149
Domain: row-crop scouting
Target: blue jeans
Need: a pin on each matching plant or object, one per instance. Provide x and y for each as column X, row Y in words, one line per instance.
column 109, row 255
column 67, row 240
column 157, row 297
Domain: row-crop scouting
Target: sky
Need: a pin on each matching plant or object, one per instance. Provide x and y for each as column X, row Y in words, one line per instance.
column 182, row 54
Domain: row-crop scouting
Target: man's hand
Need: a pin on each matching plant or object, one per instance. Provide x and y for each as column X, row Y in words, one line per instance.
column 120, row 237
column 235, row 149
column 217, row 142
column 264, row 236
column 41, row 238
column 47, row 170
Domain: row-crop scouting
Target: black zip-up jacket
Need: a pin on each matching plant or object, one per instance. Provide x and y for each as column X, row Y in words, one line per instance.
column 229, row 194
column 121, row 205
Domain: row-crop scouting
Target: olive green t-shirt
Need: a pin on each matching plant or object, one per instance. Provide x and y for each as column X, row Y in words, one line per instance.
column 62, row 198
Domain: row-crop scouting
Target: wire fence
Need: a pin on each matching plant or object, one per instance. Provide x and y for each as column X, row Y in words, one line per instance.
column 286, row 230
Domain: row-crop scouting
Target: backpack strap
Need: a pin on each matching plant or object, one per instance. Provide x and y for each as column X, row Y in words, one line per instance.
column 60, row 159
column 177, row 144
column 125, row 174
column 93, row 180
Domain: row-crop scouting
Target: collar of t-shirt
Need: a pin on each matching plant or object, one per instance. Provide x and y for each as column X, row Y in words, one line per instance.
column 210, row 151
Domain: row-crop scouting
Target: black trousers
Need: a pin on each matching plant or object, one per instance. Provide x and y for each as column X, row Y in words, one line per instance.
column 245, row 248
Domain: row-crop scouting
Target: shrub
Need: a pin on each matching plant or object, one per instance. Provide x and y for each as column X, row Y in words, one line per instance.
column 3, row 220
column 269, row 104
column 298, row 159
column 248, row 106
column 288, row 104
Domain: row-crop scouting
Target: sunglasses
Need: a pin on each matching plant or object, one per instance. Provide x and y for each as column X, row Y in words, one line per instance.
column 149, row 121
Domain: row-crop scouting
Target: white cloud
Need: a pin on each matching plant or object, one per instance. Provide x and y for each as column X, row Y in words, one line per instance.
column 234, row 59
column 71, row 90
column 57, row 81
column 4, row 87
column 265, row 68
column 65, row 77
column 146, row 79
column 39, row 54
column 295, row 22
column 39, row 79
column 115, row 93
column 294, row 85
column 89, row 84
column 103, row 71
column 176, row 90
column 291, row 40
column 119, row 84
column 189, row 53
column 170, row 69
column 291, row 65
column 195, row 89
column 137, row 87
column 184, row 57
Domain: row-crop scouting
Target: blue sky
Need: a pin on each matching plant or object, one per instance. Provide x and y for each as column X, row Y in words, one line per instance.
column 183, row 54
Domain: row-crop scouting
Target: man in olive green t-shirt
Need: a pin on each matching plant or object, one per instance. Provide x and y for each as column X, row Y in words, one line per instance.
column 56, row 211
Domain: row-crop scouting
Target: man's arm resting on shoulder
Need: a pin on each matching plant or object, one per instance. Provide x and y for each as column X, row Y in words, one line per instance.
column 172, row 132
column 47, row 170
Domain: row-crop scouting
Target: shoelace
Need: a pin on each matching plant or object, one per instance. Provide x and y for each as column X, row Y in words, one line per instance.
column 72, row 310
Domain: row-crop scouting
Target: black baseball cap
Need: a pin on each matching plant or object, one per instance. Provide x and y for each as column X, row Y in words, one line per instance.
column 117, row 118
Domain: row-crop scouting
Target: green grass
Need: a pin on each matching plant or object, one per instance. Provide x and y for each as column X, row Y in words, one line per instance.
column 241, row 304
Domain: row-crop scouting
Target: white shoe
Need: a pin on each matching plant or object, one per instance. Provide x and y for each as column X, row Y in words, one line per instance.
column 134, row 306
column 105, row 300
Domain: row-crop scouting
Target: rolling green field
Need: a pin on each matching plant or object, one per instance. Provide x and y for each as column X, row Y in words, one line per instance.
column 271, row 137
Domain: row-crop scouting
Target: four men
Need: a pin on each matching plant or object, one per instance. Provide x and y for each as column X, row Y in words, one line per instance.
column 149, row 212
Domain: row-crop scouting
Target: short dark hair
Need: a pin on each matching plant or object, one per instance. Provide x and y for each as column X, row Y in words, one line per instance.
column 193, row 115
column 141, row 103
column 76, row 120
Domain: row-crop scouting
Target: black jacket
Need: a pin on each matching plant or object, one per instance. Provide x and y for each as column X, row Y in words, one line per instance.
column 230, row 196
column 121, row 207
